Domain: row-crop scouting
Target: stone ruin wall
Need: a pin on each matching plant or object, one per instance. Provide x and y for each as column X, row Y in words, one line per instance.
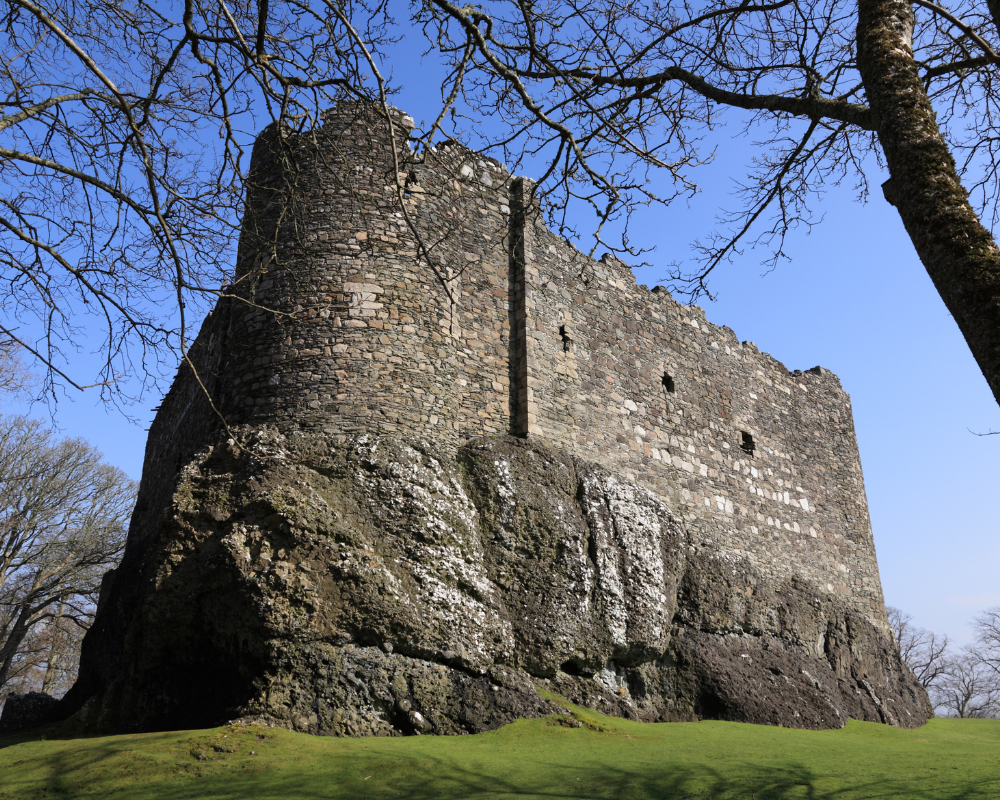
column 797, row 506
column 506, row 328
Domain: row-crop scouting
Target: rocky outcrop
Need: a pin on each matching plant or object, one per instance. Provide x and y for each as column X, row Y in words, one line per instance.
column 375, row 557
column 381, row 587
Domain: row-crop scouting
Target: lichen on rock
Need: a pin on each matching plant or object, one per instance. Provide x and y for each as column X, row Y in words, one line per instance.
column 379, row 586
column 676, row 527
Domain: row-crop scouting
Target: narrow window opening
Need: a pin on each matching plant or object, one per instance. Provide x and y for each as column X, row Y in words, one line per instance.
column 668, row 382
column 411, row 179
column 747, row 444
column 567, row 340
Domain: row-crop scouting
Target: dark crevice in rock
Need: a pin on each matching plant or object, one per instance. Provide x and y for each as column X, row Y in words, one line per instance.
column 576, row 668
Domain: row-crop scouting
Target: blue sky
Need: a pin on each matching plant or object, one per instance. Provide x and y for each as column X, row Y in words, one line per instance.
column 857, row 300
column 854, row 299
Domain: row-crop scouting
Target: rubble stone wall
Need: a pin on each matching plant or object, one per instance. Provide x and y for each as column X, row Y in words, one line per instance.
column 377, row 328
column 647, row 387
column 425, row 456
column 461, row 316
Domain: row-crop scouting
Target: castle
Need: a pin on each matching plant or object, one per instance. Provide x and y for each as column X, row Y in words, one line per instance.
column 511, row 330
column 457, row 319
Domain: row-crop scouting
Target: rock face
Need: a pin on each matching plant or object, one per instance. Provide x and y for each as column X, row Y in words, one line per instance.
column 469, row 458
column 381, row 586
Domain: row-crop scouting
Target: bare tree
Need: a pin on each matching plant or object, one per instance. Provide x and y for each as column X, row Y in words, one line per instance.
column 986, row 650
column 967, row 689
column 923, row 651
column 123, row 136
column 122, row 159
column 16, row 379
column 966, row 684
column 63, row 519
column 610, row 90
column 48, row 657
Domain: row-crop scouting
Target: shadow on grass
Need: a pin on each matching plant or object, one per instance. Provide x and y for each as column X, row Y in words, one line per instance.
column 654, row 783
column 667, row 781
column 120, row 768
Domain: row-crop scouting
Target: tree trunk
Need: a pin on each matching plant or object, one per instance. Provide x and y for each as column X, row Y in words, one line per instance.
column 56, row 638
column 958, row 253
column 9, row 649
column 994, row 7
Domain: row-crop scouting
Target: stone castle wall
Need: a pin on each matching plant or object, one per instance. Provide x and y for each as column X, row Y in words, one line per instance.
column 632, row 379
column 471, row 319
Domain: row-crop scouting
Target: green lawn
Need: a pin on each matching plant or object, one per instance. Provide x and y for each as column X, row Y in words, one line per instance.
column 606, row 758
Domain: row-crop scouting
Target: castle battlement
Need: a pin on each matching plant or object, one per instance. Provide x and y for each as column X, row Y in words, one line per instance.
column 471, row 319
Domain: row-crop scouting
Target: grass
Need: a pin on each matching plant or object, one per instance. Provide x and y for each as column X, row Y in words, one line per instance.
column 548, row 758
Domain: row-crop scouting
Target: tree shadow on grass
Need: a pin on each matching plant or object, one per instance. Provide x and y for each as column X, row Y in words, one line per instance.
column 752, row 782
column 118, row 768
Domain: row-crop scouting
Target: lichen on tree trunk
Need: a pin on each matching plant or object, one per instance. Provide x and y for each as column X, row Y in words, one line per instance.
column 959, row 254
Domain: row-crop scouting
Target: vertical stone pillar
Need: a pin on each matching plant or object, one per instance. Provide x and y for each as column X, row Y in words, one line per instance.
column 523, row 276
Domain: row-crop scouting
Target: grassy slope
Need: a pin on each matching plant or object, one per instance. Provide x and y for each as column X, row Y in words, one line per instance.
column 606, row 758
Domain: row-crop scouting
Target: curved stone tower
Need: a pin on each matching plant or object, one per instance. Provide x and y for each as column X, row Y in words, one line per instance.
column 464, row 460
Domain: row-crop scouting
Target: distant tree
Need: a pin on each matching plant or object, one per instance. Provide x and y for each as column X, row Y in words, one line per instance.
column 61, row 640
column 987, row 647
column 16, row 379
column 967, row 688
column 49, row 656
column 63, row 520
column 923, row 651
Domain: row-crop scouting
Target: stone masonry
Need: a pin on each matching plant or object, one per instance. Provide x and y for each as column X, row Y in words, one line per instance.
column 506, row 328
column 459, row 456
